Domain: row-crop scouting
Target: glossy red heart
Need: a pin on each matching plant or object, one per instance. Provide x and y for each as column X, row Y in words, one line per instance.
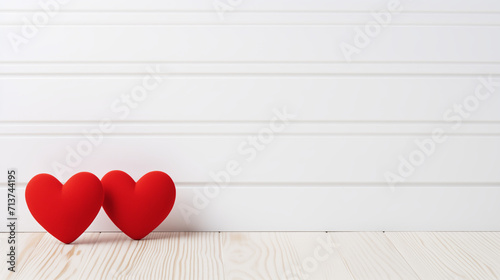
column 138, row 208
column 65, row 211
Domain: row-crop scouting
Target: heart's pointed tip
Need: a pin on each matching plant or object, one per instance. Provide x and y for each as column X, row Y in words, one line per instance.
column 66, row 241
column 136, row 237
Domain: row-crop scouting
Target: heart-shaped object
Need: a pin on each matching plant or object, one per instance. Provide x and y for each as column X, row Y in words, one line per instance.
column 65, row 211
column 138, row 208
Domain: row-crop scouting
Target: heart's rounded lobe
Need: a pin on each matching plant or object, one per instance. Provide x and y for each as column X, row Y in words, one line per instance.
column 138, row 208
column 65, row 211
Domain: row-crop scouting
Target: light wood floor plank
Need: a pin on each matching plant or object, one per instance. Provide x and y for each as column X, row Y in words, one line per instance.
column 451, row 255
column 108, row 256
column 259, row 255
column 52, row 259
column 26, row 244
column 161, row 255
column 371, row 256
column 281, row 255
column 317, row 247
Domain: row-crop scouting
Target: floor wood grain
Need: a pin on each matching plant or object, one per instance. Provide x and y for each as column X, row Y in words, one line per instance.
column 451, row 255
column 26, row 244
column 371, row 256
column 161, row 255
column 281, row 255
column 258, row 255
column 52, row 259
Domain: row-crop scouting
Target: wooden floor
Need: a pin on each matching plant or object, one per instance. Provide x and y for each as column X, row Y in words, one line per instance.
column 259, row 255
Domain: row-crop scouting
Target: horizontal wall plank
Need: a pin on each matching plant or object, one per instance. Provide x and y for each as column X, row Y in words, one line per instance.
column 230, row 69
column 320, row 209
column 287, row 159
column 225, row 68
column 262, row 5
column 253, row 43
column 156, row 128
column 252, row 18
column 244, row 98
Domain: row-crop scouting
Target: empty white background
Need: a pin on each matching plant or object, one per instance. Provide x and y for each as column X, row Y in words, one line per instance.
column 224, row 73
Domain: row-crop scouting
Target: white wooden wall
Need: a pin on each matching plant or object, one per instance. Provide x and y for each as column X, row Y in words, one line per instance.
column 224, row 74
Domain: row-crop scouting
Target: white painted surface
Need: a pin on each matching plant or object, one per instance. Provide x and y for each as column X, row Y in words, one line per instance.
column 311, row 207
column 221, row 81
column 288, row 159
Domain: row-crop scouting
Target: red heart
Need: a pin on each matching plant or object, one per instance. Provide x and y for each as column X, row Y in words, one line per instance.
column 65, row 211
column 138, row 208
